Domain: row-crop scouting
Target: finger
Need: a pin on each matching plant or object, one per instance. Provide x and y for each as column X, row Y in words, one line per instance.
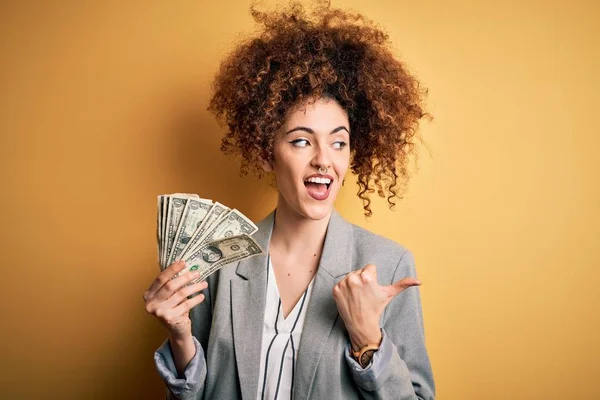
column 175, row 285
column 369, row 269
column 397, row 287
column 180, row 296
column 355, row 272
column 187, row 305
column 368, row 273
column 164, row 308
column 353, row 280
column 165, row 276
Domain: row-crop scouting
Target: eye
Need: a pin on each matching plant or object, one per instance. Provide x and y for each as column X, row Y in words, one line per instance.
column 339, row 144
column 300, row 142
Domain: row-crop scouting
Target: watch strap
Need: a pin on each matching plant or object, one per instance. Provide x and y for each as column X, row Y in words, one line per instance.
column 369, row 347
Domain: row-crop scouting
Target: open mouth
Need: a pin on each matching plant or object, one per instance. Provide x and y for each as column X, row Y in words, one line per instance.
column 318, row 187
column 318, row 183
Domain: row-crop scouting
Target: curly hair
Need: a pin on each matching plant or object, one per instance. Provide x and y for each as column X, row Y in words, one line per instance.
column 331, row 53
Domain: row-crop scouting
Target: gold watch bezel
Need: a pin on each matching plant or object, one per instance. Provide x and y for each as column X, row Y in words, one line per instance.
column 363, row 350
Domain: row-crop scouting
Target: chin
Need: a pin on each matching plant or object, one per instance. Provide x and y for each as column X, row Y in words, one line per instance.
column 316, row 212
column 306, row 207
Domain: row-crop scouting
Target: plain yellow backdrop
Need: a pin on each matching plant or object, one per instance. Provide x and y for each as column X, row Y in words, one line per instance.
column 103, row 107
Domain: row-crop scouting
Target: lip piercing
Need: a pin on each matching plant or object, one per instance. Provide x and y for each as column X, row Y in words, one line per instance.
column 323, row 171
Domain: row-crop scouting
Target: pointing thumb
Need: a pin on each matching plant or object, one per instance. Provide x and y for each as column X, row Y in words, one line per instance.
column 397, row 287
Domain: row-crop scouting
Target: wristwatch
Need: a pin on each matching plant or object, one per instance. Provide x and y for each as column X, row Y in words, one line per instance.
column 365, row 354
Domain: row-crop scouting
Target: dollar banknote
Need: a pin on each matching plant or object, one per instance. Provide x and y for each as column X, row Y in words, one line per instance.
column 174, row 214
column 187, row 227
column 211, row 256
column 232, row 224
column 194, row 213
column 169, row 215
column 217, row 212
column 163, row 242
column 159, row 229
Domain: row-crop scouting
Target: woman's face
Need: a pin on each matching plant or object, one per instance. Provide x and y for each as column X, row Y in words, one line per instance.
column 313, row 136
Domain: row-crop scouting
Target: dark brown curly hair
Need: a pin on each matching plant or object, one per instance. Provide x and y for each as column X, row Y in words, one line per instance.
column 331, row 53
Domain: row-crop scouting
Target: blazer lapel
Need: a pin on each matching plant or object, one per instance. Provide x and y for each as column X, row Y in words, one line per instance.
column 335, row 263
column 248, row 297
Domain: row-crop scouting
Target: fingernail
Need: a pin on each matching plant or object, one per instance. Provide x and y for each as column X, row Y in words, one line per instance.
column 195, row 274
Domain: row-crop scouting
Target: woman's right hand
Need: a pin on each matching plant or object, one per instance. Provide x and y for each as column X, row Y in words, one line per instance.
column 167, row 300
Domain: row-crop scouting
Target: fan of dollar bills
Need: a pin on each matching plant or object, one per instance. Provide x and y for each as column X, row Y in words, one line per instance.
column 204, row 234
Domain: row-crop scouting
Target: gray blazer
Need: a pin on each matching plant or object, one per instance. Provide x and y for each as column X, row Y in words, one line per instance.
column 227, row 328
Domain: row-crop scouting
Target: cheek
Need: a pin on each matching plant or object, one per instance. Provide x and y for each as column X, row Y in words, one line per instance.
column 342, row 165
column 286, row 171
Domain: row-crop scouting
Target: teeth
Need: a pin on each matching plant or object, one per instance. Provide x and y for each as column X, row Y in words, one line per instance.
column 325, row 181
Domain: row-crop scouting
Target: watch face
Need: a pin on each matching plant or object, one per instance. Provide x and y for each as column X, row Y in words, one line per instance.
column 365, row 358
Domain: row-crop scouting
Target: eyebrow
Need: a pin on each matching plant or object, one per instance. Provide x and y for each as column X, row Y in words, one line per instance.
column 305, row 129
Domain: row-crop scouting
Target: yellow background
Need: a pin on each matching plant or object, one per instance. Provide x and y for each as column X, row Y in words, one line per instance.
column 102, row 108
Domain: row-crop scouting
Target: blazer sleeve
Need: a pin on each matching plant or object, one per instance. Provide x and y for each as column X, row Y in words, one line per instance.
column 191, row 384
column 401, row 368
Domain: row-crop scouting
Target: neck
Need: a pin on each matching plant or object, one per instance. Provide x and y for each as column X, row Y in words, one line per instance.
column 294, row 233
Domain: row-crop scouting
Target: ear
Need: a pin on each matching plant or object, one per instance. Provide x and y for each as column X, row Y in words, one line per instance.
column 266, row 165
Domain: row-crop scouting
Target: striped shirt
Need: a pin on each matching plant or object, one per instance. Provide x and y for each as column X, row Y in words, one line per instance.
column 281, row 337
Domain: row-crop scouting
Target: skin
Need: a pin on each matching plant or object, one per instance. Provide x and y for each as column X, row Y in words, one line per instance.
column 313, row 135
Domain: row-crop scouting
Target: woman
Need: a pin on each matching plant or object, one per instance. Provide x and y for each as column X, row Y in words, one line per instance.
column 332, row 311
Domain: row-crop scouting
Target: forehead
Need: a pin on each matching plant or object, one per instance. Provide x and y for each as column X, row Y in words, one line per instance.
column 322, row 114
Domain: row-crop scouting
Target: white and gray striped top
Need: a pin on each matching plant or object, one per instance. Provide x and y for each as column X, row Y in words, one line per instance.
column 281, row 337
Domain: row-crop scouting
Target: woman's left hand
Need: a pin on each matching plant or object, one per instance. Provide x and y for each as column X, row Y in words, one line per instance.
column 361, row 300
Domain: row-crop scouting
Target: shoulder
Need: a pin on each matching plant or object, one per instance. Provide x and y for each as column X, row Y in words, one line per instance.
column 391, row 258
column 375, row 242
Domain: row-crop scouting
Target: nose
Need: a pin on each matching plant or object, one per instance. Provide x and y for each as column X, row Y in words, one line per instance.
column 321, row 157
